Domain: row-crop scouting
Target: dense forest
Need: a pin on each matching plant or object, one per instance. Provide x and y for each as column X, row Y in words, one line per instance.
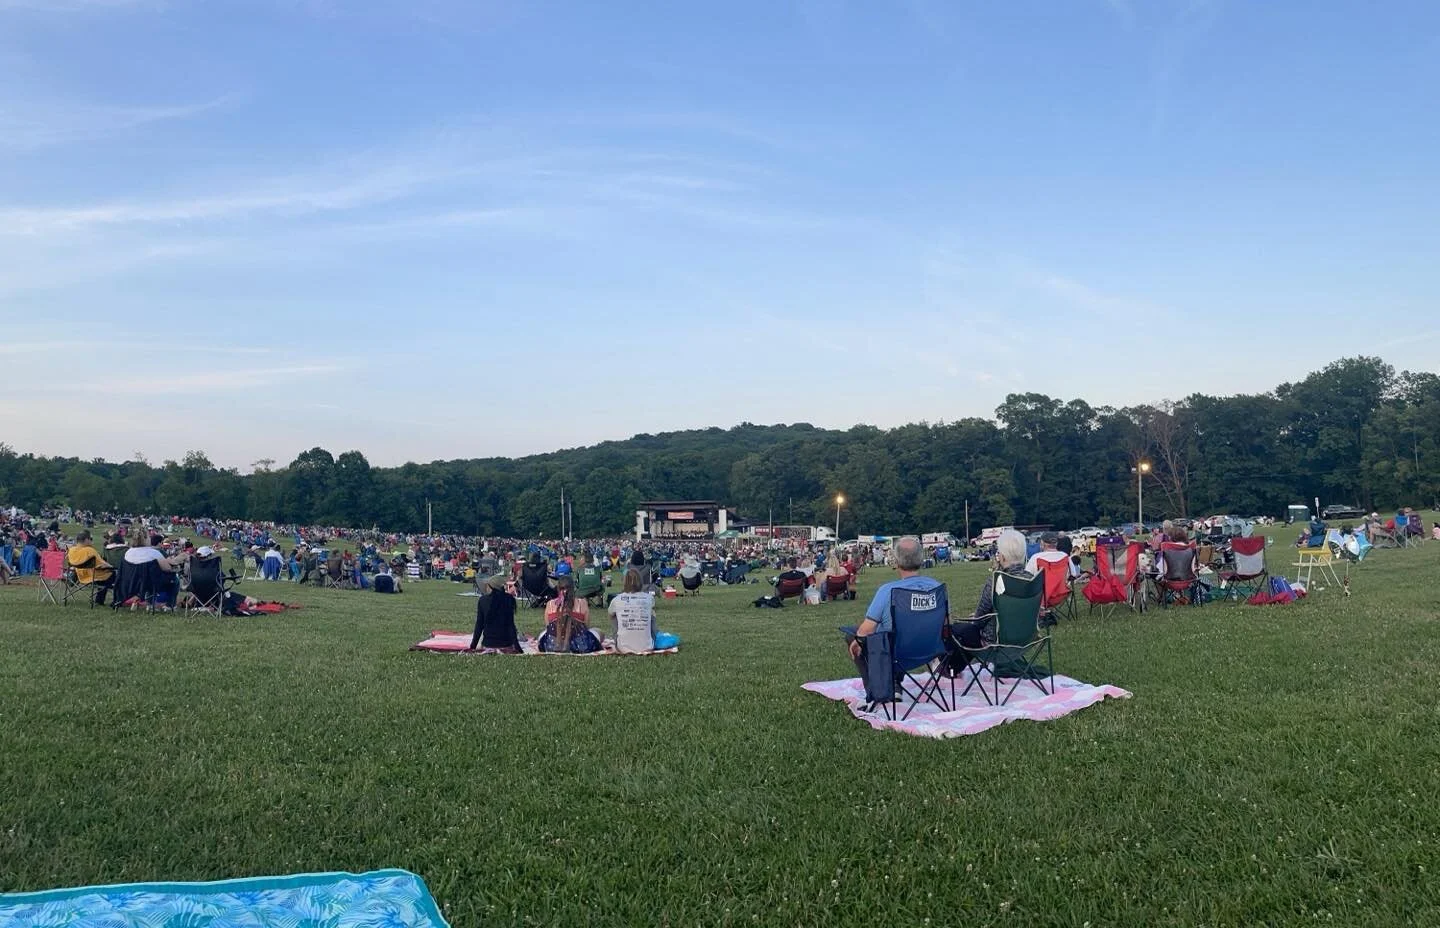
column 1354, row 432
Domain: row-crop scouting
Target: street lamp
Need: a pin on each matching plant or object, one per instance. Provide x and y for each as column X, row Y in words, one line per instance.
column 1140, row 470
column 839, row 501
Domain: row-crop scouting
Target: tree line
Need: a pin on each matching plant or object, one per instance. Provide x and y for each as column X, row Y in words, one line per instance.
column 1354, row 432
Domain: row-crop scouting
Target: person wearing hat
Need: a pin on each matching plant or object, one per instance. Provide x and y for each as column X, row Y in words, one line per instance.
column 495, row 618
column 90, row 567
column 1049, row 551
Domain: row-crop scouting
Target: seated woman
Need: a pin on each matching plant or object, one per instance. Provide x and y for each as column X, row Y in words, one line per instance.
column 837, row 582
column 495, row 618
column 632, row 612
column 979, row 630
column 566, row 622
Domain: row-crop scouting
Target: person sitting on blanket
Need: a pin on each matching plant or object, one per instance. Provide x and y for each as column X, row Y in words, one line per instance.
column 495, row 618
column 906, row 557
column 633, row 616
column 566, row 628
column 979, row 630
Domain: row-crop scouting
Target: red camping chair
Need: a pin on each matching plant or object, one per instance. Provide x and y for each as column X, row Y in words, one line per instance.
column 1058, row 598
column 1116, row 579
column 1179, row 578
column 1249, row 575
column 838, row 587
column 790, row 588
column 52, row 574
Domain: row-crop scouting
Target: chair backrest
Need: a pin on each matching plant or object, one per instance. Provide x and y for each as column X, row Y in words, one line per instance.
column 1249, row 555
column 52, row 564
column 205, row 578
column 589, row 581
column 691, row 579
column 836, row 584
column 790, row 586
column 535, row 578
column 1017, row 608
column 919, row 625
column 1121, row 561
column 1178, row 561
column 1056, row 576
column 1109, row 560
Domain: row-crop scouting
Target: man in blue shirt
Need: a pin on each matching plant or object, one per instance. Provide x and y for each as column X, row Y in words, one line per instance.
column 906, row 557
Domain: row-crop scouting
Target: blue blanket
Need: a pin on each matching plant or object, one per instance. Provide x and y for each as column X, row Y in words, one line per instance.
column 379, row 899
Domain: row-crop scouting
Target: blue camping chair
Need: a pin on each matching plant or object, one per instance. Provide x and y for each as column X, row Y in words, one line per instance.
column 915, row 643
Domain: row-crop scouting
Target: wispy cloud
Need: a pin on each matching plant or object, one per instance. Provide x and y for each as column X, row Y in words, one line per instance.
column 162, row 385
column 1087, row 297
column 40, row 124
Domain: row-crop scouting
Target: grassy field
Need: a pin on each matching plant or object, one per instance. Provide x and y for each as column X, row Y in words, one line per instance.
column 1276, row 765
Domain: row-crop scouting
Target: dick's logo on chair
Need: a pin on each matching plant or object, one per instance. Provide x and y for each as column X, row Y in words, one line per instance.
column 923, row 602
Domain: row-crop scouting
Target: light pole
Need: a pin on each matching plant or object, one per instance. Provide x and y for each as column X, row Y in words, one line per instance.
column 1140, row 470
column 839, row 501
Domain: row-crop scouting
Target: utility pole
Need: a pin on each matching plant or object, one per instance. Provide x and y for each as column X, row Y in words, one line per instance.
column 562, row 513
column 967, row 523
column 429, row 518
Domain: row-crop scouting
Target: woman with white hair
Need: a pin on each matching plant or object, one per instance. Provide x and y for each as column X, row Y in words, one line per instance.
column 979, row 630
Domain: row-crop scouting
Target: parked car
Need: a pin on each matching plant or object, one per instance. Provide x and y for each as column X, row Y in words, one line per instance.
column 1341, row 511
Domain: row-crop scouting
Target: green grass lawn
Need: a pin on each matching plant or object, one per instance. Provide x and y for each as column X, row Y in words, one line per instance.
column 1276, row 765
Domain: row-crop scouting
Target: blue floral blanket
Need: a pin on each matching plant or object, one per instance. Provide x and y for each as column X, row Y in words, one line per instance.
column 379, row 899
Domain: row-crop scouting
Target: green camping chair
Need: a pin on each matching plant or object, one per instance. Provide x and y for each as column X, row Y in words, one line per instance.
column 1019, row 647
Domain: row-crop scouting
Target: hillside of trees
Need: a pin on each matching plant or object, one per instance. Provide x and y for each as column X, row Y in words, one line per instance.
column 1354, row 432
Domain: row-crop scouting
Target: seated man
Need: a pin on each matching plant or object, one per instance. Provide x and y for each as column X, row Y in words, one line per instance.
column 907, row 556
column 1049, row 551
column 792, row 581
column 385, row 581
column 90, row 567
column 589, row 580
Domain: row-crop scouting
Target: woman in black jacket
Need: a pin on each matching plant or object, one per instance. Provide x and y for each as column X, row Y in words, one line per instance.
column 495, row 619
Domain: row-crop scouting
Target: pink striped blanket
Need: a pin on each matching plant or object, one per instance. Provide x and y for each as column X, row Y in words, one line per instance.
column 453, row 642
column 972, row 714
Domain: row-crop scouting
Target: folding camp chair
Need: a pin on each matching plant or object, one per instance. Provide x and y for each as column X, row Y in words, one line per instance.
column 691, row 579
column 1179, row 579
column 1307, row 559
column 208, row 587
column 1059, row 594
column 74, row 586
column 790, row 587
column 141, row 584
column 838, row 587
column 916, row 642
column 535, row 583
column 256, row 568
column 1249, row 575
column 52, row 576
column 1017, row 651
column 1117, row 578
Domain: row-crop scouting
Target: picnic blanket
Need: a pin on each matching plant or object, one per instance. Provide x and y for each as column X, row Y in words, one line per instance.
column 337, row 900
column 972, row 714
column 452, row 642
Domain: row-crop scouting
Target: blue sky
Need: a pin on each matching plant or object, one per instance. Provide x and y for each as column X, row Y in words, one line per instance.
column 453, row 228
